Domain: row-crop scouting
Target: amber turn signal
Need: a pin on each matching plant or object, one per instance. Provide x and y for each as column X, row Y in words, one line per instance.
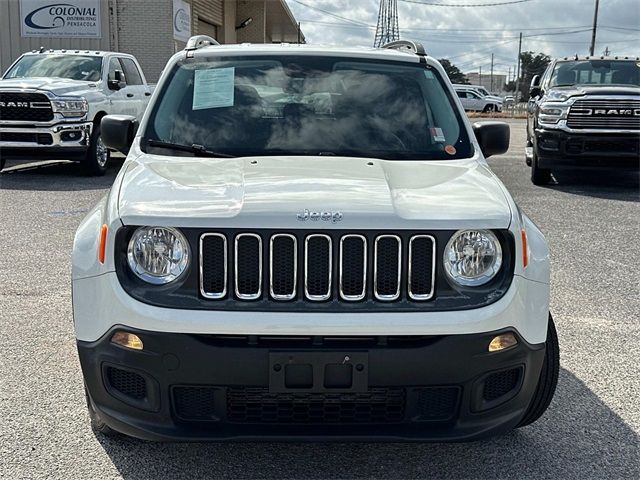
column 102, row 243
column 525, row 248
column 128, row 340
column 503, row 341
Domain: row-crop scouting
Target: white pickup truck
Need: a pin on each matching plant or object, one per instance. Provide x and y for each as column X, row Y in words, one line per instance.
column 52, row 101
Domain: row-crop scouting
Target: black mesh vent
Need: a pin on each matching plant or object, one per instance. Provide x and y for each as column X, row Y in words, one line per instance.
column 248, row 265
column 18, row 106
column 387, row 262
column 257, row 405
column 39, row 138
column 195, row 403
column 318, row 275
column 127, row 383
column 213, row 265
column 498, row 384
column 283, row 266
column 421, row 267
column 436, row 403
column 353, row 266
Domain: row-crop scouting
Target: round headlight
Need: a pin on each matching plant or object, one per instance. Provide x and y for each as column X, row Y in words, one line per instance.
column 472, row 257
column 158, row 255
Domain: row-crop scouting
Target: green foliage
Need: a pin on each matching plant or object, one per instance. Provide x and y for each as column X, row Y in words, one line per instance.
column 454, row 73
column 531, row 64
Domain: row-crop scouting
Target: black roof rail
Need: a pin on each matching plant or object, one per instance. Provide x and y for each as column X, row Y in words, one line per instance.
column 199, row 41
column 407, row 46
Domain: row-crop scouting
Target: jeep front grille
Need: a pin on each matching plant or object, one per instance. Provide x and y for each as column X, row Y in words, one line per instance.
column 25, row 106
column 605, row 114
column 317, row 267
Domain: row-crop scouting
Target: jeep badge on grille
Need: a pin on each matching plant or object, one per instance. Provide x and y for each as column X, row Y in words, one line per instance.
column 333, row 217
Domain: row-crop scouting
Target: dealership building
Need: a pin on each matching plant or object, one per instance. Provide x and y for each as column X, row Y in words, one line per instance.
column 152, row 30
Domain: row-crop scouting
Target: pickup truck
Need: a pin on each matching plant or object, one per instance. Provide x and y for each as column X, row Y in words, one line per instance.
column 52, row 101
column 474, row 100
column 584, row 113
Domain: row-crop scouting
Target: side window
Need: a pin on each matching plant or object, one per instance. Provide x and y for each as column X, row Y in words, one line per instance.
column 114, row 64
column 461, row 94
column 131, row 72
column 473, row 95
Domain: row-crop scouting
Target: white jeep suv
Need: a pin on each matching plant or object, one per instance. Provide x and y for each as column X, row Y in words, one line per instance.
column 308, row 242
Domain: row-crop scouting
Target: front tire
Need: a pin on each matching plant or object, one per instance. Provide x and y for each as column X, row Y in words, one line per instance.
column 2, row 162
column 97, row 425
column 539, row 176
column 97, row 159
column 548, row 378
column 489, row 109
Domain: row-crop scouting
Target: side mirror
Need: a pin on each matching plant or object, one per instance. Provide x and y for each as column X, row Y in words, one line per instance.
column 118, row 131
column 118, row 82
column 534, row 88
column 493, row 137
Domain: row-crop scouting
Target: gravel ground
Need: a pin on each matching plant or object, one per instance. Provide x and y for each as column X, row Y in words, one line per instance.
column 590, row 431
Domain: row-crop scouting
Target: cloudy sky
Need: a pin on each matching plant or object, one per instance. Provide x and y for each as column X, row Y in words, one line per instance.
column 468, row 35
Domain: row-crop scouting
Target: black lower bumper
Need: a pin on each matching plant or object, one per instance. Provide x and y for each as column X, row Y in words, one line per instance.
column 557, row 149
column 208, row 387
column 43, row 153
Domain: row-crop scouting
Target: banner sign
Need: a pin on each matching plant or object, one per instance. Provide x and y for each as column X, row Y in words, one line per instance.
column 68, row 18
column 181, row 20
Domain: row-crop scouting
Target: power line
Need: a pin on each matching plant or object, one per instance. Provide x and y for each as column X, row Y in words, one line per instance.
column 326, row 12
column 496, row 4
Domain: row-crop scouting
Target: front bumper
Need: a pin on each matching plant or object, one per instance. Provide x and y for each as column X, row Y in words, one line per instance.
column 557, row 149
column 214, row 387
column 53, row 142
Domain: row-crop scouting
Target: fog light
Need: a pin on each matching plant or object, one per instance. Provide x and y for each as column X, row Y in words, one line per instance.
column 503, row 341
column 128, row 340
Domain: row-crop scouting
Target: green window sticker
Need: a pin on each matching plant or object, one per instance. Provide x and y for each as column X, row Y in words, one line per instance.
column 213, row 88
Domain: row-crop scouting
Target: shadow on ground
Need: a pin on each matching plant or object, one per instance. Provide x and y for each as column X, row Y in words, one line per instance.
column 611, row 185
column 578, row 437
column 54, row 176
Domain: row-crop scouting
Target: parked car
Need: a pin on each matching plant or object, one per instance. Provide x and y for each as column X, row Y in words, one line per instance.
column 509, row 100
column 584, row 113
column 52, row 101
column 308, row 242
column 473, row 101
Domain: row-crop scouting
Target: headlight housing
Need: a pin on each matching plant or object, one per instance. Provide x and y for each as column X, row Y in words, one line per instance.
column 70, row 106
column 472, row 257
column 158, row 255
column 552, row 113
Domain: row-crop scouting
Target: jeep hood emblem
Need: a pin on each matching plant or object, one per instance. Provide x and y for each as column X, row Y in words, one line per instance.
column 333, row 217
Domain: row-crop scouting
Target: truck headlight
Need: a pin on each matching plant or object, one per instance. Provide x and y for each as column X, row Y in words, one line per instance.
column 158, row 255
column 70, row 106
column 472, row 257
column 552, row 113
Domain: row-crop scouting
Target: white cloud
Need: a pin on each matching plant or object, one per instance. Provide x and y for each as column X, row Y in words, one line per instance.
column 483, row 30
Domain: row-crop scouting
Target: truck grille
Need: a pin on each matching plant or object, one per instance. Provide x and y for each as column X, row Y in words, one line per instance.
column 317, row 267
column 605, row 114
column 28, row 107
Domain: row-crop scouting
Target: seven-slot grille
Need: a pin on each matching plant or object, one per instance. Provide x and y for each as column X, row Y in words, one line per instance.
column 607, row 114
column 317, row 267
column 25, row 106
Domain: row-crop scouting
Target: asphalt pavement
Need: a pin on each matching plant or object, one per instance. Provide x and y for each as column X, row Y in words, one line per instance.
column 591, row 429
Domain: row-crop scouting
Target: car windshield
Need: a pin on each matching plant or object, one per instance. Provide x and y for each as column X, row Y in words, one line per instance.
column 596, row 72
column 306, row 105
column 73, row 67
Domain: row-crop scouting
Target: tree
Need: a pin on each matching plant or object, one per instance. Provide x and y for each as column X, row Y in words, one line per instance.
column 454, row 73
column 531, row 64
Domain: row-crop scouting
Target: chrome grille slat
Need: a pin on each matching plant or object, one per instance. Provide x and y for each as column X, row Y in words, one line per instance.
column 582, row 115
column 421, row 258
column 380, row 259
column 246, row 291
column 350, row 275
column 312, row 292
column 276, row 276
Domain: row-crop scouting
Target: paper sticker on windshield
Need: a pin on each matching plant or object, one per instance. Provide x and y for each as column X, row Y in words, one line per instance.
column 450, row 149
column 437, row 135
column 213, row 88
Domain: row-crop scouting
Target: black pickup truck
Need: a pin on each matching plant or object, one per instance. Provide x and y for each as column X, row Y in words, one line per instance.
column 584, row 113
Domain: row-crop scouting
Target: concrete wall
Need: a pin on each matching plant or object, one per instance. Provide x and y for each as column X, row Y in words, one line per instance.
column 12, row 45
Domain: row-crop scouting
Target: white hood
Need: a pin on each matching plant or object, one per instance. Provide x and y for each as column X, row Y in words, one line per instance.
column 57, row 86
column 255, row 192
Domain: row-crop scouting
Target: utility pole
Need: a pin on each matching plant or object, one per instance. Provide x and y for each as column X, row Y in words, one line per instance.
column 480, row 76
column 509, row 75
column 491, row 89
column 595, row 26
column 518, row 71
column 299, row 33
column 607, row 52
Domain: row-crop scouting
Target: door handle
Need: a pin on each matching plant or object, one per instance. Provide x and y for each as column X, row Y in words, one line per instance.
column 147, row 94
column 129, row 95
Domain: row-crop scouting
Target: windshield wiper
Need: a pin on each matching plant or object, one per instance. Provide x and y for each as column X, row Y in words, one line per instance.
column 193, row 148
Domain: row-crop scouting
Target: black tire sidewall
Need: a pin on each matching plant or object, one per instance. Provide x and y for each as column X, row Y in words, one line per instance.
column 3, row 161
column 91, row 165
column 539, row 176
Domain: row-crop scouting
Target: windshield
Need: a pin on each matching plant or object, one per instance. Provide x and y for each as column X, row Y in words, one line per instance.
column 306, row 105
column 595, row 72
column 73, row 67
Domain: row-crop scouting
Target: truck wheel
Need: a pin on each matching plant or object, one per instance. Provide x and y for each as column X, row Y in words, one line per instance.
column 489, row 109
column 2, row 162
column 97, row 425
column 539, row 176
column 548, row 378
column 97, row 159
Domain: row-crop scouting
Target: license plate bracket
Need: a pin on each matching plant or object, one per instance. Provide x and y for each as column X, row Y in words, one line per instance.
column 318, row 372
